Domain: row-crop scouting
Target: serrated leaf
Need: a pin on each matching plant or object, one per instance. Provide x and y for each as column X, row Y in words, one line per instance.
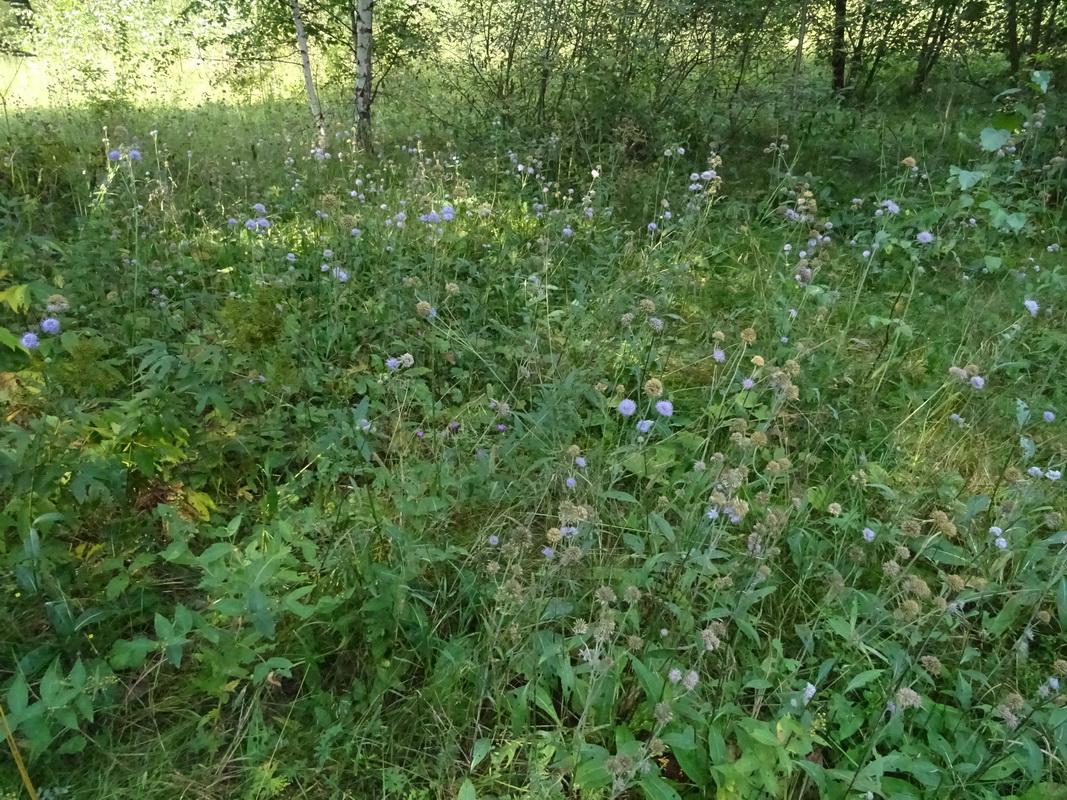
column 481, row 749
column 862, row 679
column 262, row 619
column 18, row 694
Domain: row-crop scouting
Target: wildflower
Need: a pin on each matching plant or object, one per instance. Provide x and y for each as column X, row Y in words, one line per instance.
column 699, row 466
column 626, row 318
column 627, row 407
column 392, row 363
column 957, row 419
column 675, row 674
column 1053, row 474
column 580, row 462
column 690, row 681
column 665, row 408
column 748, row 336
column 571, row 483
column 1001, row 542
column 908, row 698
column 501, row 427
column 747, row 383
column 1032, row 307
column 494, row 540
column 407, row 360
column 644, row 426
column 925, row 237
column 29, row 341
column 809, row 692
column 653, row 387
column 713, row 514
column 1048, row 416
column 452, row 288
column 663, row 713
column 655, row 323
column 548, row 552
column 340, row 274
column 56, row 303
column 977, row 381
column 868, row 535
column 423, row 308
column 567, row 232
column 652, row 226
column 114, row 155
column 834, row 509
column 50, row 325
column 135, row 155
column 1035, row 472
column 718, row 355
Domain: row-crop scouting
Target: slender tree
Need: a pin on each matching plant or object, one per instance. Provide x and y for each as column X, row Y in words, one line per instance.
column 363, row 32
column 305, row 63
column 837, row 52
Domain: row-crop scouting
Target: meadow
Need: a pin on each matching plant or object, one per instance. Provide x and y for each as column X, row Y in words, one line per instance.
column 518, row 468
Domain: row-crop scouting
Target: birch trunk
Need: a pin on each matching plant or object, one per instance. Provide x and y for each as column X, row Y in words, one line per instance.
column 363, row 32
column 305, row 63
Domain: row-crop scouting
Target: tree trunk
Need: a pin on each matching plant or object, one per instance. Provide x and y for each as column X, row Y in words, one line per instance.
column 798, row 56
column 837, row 53
column 305, row 63
column 363, row 27
column 1036, row 19
column 1011, row 36
column 937, row 31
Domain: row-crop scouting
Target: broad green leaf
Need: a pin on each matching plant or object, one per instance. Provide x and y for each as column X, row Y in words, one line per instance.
column 992, row 139
column 466, row 791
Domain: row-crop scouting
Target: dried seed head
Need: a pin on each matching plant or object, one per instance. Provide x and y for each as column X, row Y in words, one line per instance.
column 653, row 387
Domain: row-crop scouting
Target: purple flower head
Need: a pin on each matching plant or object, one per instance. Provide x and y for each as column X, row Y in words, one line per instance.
column 1054, row 474
column 579, row 462
column 713, row 514
column 393, row 363
column 1035, row 472
column 548, row 552
column 747, row 383
column 644, row 426
column 1048, row 416
column 135, row 155
column 494, row 541
column 290, row 256
column 501, row 427
column 29, row 341
column 567, row 232
column 259, row 208
column 718, row 355
column 1001, row 543
column 420, row 434
column 925, row 237
column 340, row 274
column 652, row 226
column 868, row 535
column 114, row 155
column 675, row 675
column 1032, row 307
column 571, row 482
column 665, row 408
column 978, row 382
column 50, row 325
column 627, row 407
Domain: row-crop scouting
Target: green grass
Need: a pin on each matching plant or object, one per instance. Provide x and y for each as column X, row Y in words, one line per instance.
column 245, row 557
